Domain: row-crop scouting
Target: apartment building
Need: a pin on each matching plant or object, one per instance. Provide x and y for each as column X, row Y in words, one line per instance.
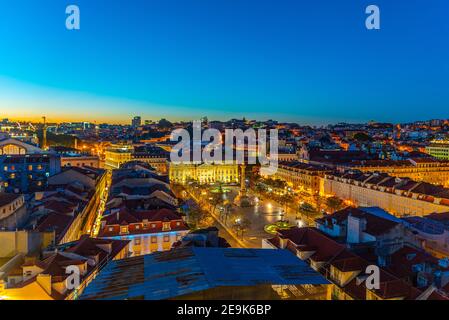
column 400, row 196
column 423, row 169
column 48, row 279
column 147, row 230
column 439, row 149
column 301, row 176
column 203, row 173
column 347, row 271
column 70, row 204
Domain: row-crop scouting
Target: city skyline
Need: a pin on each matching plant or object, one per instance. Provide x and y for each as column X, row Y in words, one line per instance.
column 307, row 63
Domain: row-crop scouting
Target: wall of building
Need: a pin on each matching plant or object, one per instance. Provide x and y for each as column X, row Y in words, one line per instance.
column 436, row 174
column 391, row 202
column 439, row 150
column 14, row 242
column 299, row 179
column 204, row 173
column 16, row 219
column 151, row 242
column 80, row 161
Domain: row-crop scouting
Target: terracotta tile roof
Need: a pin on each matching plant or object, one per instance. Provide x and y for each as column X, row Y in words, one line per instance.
column 141, row 222
column 55, row 222
column 403, row 260
column 396, row 288
column 312, row 239
column 7, row 198
column 375, row 225
column 436, row 295
column 59, row 206
column 349, row 262
column 335, row 254
column 356, row 290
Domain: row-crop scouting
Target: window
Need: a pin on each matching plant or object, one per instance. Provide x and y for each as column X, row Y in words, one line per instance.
column 153, row 225
column 111, row 229
column 166, row 226
column 166, row 238
column 137, row 241
column 153, row 239
column 124, row 229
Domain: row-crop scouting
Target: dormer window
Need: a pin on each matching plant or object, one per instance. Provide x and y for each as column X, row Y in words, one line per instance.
column 124, row 229
column 166, row 226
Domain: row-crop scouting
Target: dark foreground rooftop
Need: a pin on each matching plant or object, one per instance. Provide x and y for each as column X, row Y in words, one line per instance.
column 183, row 271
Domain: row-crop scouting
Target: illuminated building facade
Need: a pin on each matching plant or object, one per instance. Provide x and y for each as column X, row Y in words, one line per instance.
column 117, row 155
column 203, row 173
column 300, row 175
column 147, row 230
column 25, row 168
column 420, row 169
column 399, row 196
column 439, row 149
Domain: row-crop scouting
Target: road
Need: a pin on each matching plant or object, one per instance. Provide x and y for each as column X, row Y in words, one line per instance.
column 103, row 198
column 265, row 212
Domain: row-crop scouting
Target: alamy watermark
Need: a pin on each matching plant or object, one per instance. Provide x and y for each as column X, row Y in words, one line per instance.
column 372, row 282
column 73, row 19
column 259, row 146
column 372, row 22
column 74, row 277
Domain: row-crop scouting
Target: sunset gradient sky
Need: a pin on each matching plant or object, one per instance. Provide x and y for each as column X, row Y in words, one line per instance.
column 292, row 60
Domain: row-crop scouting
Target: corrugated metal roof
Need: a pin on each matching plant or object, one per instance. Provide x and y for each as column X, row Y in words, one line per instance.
column 182, row 271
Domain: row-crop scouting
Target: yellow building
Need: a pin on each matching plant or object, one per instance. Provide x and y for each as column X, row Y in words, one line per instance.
column 203, row 173
column 117, row 155
column 420, row 169
column 147, row 231
column 395, row 195
column 300, row 176
column 439, row 149
column 47, row 279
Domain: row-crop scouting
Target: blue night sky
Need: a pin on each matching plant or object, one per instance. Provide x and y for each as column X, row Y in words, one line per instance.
column 305, row 61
